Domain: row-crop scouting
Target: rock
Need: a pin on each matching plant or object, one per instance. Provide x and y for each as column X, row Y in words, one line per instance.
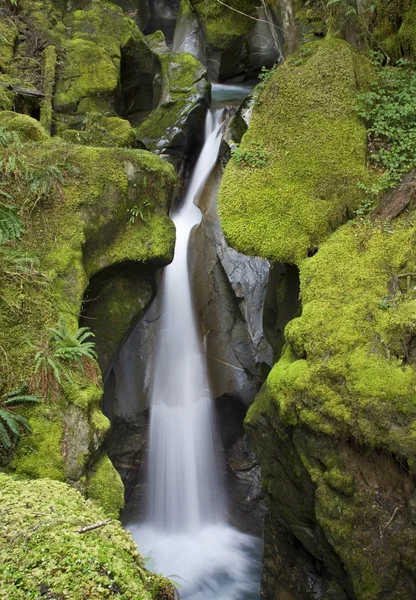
column 301, row 199
column 163, row 15
column 177, row 121
column 238, row 355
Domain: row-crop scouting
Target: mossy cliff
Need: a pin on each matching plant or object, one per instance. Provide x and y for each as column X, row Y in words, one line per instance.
column 43, row 552
column 74, row 230
column 334, row 424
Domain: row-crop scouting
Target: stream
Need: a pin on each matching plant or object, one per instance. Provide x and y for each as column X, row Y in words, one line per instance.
column 186, row 534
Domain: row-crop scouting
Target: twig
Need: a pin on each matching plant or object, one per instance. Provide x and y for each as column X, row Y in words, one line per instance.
column 392, row 517
column 225, row 363
column 95, row 526
column 249, row 16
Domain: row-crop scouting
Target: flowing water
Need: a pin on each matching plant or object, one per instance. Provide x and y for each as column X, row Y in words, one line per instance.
column 186, row 534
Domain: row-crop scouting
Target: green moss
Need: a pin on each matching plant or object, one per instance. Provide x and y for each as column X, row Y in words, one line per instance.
column 106, row 488
column 87, row 72
column 184, row 81
column 223, row 25
column 103, row 131
column 354, row 379
column 40, row 547
column 49, row 74
column 28, row 129
column 40, row 453
column 114, row 306
column 316, row 147
column 100, row 426
column 83, row 393
column 76, row 224
column 8, row 37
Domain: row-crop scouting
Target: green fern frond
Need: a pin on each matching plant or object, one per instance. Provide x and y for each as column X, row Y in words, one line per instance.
column 11, row 225
column 8, row 419
column 23, row 422
column 5, row 440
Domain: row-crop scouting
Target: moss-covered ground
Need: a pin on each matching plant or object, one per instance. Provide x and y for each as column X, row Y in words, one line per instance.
column 42, row 552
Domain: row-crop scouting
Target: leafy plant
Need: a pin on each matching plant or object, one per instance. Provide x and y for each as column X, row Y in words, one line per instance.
column 63, row 352
column 252, row 157
column 11, row 423
column 264, row 76
column 138, row 212
column 389, row 109
column 11, row 225
column 347, row 6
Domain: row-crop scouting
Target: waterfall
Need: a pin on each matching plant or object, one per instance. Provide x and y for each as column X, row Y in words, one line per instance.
column 184, row 490
column 186, row 534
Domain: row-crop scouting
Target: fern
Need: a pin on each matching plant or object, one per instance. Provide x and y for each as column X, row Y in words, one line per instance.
column 55, row 359
column 12, row 424
column 11, row 226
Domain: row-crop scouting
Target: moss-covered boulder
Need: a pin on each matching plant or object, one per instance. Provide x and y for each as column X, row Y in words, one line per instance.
column 99, row 130
column 44, row 553
column 28, row 129
column 334, row 426
column 178, row 119
column 77, row 205
column 301, row 158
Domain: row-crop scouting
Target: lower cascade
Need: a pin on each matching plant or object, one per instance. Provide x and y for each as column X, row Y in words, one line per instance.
column 186, row 533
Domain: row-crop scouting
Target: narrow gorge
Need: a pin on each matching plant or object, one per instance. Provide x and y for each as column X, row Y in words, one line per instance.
column 207, row 299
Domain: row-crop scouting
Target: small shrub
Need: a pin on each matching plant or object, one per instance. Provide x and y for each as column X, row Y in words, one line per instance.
column 389, row 109
column 252, row 157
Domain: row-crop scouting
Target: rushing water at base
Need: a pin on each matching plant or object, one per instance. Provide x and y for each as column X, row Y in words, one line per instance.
column 186, row 534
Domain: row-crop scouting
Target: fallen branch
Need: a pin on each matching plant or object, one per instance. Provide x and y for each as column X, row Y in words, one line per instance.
column 392, row 517
column 95, row 526
column 225, row 363
column 23, row 91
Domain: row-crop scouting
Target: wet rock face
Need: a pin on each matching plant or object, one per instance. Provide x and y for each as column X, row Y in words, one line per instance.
column 229, row 290
column 163, row 15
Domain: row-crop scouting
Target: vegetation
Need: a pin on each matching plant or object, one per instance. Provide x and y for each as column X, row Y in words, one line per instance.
column 43, row 553
column 56, row 358
column 11, row 423
column 389, row 109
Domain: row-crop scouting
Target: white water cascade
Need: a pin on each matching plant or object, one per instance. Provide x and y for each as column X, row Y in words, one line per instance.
column 186, row 532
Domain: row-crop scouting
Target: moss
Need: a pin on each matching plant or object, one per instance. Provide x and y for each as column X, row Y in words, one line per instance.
column 187, row 89
column 40, row 547
column 106, row 488
column 8, row 37
column 28, row 129
column 83, row 215
column 102, row 131
column 100, row 426
column 316, row 148
column 221, row 24
column 40, row 453
column 87, row 72
column 115, row 304
column 354, row 379
column 83, row 393
column 49, row 74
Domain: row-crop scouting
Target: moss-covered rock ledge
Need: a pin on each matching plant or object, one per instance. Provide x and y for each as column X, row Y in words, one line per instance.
column 76, row 204
column 43, row 553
